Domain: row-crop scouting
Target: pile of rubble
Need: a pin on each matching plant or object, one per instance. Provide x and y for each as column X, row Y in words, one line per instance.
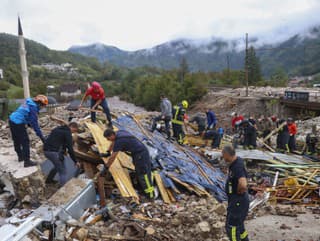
column 192, row 218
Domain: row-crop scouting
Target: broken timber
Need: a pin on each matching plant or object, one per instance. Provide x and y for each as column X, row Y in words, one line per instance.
column 120, row 175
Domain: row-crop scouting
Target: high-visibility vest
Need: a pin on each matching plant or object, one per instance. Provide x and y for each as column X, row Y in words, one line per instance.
column 178, row 113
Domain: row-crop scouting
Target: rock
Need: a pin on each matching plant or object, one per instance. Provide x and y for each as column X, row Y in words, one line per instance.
column 26, row 199
column 284, row 226
column 73, row 222
column 176, row 222
column 203, row 227
column 150, row 230
column 82, row 234
column 220, row 209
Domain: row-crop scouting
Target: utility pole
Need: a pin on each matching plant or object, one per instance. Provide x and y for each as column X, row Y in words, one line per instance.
column 23, row 62
column 228, row 67
column 246, row 67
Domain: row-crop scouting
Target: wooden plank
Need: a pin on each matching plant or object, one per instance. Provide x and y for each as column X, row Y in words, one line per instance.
column 121, row 179
column 274, row 132
column 162, row 189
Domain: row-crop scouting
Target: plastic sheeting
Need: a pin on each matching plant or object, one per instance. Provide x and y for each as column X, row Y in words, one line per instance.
column 182, row 163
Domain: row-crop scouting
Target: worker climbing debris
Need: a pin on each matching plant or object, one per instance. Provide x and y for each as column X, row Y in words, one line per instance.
column 54, row 147
column 200, row 121
column 292, row 132
column 166, row 115
column 26, row 114
column 283, row 136
column 178, row 121
column 98, row 97
column 125, row 142
column 211, row 119
column 213, row 135
column 249, row 134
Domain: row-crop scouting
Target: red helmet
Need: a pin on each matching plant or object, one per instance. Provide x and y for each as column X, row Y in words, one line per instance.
column 42, row 99
column 95, row 85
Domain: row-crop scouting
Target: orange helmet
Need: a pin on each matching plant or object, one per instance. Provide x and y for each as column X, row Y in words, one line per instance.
column 42, row 99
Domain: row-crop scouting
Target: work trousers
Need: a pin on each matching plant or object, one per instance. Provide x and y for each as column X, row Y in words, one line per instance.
column 58, row 161
column 292, row 143
column 166, row 120
column 265, row 133
column 142, row 163
column 201, row 129
column 104, row 105
column 20, row 140
column 215, row 137
column 283, row 141
column 311, row 148
column 178, row 132
column 237, row 211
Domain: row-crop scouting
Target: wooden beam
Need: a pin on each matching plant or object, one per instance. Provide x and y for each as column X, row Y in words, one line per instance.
column 118, row 173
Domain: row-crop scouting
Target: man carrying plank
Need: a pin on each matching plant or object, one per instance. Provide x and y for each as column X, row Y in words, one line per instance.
column 97, row 98
column 126, row 142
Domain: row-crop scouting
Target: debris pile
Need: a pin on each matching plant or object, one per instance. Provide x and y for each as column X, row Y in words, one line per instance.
column 298, row 180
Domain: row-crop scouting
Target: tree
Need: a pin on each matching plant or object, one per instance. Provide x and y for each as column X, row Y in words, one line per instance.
column 254, row 70
column 183, row 70
column 279, row 78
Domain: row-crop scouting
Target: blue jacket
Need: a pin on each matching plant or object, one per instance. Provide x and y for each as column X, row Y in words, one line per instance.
column 27, row 113
column 211, row 118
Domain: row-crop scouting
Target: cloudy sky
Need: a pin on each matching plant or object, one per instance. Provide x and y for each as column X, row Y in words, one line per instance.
column 135, row 24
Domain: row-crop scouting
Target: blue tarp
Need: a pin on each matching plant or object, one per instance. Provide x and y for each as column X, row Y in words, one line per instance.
column 184, row 164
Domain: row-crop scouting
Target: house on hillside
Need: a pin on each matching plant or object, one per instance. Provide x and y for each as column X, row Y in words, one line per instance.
column 299, row 81
column 70, row 90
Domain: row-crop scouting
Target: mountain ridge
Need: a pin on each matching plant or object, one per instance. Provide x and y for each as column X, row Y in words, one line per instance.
column 211, row 54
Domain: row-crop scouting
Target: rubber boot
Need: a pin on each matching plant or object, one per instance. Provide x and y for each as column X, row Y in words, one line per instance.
column 29, row 163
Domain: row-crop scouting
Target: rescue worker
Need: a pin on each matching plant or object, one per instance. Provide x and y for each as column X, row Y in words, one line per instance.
column 253, row 122
column 26, row 114
column 54, row 148
column 292, row 132
column 125, row 142
column 249, row 135
column 236, row 120
column 237, row 192
column 311, row 141
column 283, row 137
column 97, row 98
column 214, row 136
column 166, row 115
column 201, row 123
column 211, row 119
column 178, row 120
column 265, row 126
column 221, row 132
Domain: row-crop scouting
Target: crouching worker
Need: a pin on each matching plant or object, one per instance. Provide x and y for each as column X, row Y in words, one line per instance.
column 54, row 147
column 238, row 199
column 125, row 142
column 214, row 136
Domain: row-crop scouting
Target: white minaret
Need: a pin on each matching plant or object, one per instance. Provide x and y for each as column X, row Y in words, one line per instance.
column 23, row 61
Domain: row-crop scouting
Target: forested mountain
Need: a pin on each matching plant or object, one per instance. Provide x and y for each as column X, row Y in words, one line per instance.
column 38, row 53
column 298, row 55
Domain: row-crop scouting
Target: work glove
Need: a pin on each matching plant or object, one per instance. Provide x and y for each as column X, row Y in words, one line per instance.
column 107, row 154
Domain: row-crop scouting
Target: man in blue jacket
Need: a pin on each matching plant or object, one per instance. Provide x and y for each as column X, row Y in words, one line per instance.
column 211, row 119
column 26, row 114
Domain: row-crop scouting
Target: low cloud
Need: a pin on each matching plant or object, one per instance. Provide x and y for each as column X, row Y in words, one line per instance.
column 139, row 24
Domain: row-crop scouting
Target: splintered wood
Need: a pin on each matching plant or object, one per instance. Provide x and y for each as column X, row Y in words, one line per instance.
column 163, row 191
column 117, row 170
